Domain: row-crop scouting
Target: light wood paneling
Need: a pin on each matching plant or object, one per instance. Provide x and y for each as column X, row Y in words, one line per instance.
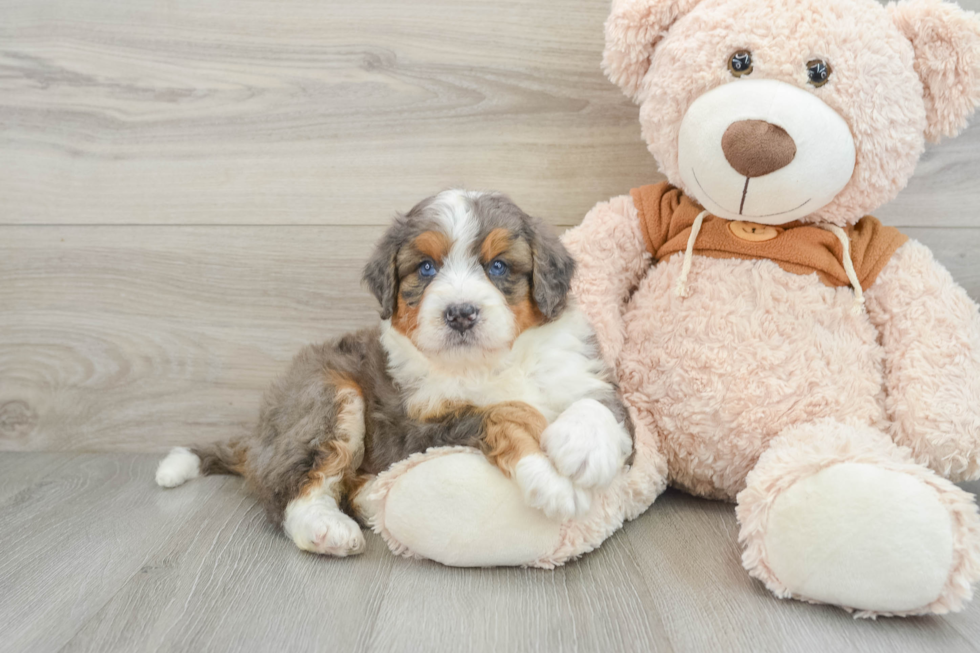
column 944, row 192
column 136, row 338
column 305, row 111
column 333, row 112
column 140, row 338
column 958, row 250
column 97, row 558
column 188, row 190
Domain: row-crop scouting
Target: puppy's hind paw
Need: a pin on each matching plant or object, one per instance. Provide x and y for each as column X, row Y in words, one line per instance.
column 547, row 490
column 325, row 530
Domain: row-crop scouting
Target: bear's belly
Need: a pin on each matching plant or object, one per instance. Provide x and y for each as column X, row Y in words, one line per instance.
column 751, row 350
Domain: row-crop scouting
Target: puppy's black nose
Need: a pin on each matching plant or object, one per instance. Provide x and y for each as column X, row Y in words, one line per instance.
column 461, row 317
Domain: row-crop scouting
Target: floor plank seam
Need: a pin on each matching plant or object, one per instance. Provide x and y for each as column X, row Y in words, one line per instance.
column 646, row 582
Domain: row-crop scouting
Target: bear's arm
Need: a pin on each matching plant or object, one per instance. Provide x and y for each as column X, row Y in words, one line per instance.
column 930, row 330
column 611, row 259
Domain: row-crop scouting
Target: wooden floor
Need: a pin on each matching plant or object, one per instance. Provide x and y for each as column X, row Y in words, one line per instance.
column 96, row 558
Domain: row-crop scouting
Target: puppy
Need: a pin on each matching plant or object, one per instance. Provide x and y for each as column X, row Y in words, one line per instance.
column 478, row 345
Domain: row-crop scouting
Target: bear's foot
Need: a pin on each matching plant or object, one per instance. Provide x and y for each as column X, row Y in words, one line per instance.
column 838, row 514
column 863, row 537
column 453, row 506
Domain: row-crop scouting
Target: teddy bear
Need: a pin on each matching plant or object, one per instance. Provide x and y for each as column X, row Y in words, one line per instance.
column 776, row 345
column 780, row 347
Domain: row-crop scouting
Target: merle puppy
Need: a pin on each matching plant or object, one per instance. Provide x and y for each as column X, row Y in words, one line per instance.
column 478, row 345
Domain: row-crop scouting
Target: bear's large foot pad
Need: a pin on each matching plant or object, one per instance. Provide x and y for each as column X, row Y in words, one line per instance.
column 863, row 537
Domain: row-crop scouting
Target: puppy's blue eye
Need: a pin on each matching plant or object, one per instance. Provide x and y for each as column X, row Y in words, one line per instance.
column 497, row 268
column 427, row 269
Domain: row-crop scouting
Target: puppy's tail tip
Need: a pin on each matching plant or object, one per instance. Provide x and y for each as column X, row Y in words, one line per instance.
column 180, row 466
column 183, row 464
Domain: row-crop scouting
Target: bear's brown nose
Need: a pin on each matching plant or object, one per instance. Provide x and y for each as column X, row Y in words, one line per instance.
column 756, row 147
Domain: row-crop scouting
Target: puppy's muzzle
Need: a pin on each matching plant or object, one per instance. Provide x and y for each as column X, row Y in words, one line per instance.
column 461, row 317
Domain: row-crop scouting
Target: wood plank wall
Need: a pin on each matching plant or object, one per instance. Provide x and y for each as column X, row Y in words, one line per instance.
column 189, row 188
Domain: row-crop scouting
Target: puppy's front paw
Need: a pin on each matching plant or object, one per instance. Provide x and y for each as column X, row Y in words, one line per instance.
column 323, row 529
column 587, row 444
column 547, row 490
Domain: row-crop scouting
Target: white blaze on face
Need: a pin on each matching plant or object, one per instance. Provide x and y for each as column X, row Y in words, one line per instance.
column 819, row 170
column 461, row 279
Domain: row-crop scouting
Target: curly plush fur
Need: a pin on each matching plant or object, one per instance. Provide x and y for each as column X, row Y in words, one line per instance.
column 666, row 54
column 764, row 386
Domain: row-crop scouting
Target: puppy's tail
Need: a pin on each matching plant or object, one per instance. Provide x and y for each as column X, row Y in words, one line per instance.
column 183, row 464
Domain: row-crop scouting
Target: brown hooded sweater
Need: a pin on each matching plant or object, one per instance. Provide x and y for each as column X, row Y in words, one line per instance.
column 667, row 216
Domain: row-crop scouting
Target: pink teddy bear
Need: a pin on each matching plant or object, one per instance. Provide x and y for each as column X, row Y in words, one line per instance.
column 778, row 348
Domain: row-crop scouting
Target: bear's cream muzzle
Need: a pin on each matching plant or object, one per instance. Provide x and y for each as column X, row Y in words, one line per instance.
column 763, row 150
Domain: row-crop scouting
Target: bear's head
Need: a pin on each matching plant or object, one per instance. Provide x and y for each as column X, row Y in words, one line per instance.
column 777, row 110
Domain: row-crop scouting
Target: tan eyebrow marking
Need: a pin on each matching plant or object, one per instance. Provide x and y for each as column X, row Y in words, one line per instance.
column 496, row 243
column 433, row 244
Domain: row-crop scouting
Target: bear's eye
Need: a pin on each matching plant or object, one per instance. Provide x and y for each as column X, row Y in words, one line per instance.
column 740, row 63
column 818, row 72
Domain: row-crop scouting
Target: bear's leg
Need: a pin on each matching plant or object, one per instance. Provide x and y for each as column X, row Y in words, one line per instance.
column 839, row 514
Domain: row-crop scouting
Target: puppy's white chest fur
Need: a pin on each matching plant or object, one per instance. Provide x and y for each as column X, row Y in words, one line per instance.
column 549, row 367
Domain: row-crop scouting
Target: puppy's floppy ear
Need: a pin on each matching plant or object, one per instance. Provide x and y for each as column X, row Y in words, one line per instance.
column 553, row 270
column 632, row 30
column 946, row 40
column 380, row 274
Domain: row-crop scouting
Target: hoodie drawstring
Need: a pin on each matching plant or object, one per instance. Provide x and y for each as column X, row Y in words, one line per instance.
column 852, row 276
column 681, row 288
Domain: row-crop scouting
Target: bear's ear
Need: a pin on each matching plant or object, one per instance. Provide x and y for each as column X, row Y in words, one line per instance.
column 946, row 40
column 632, row 30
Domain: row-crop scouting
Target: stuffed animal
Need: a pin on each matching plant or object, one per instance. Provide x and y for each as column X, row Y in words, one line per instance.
column 777, row 346
column 781, row 348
